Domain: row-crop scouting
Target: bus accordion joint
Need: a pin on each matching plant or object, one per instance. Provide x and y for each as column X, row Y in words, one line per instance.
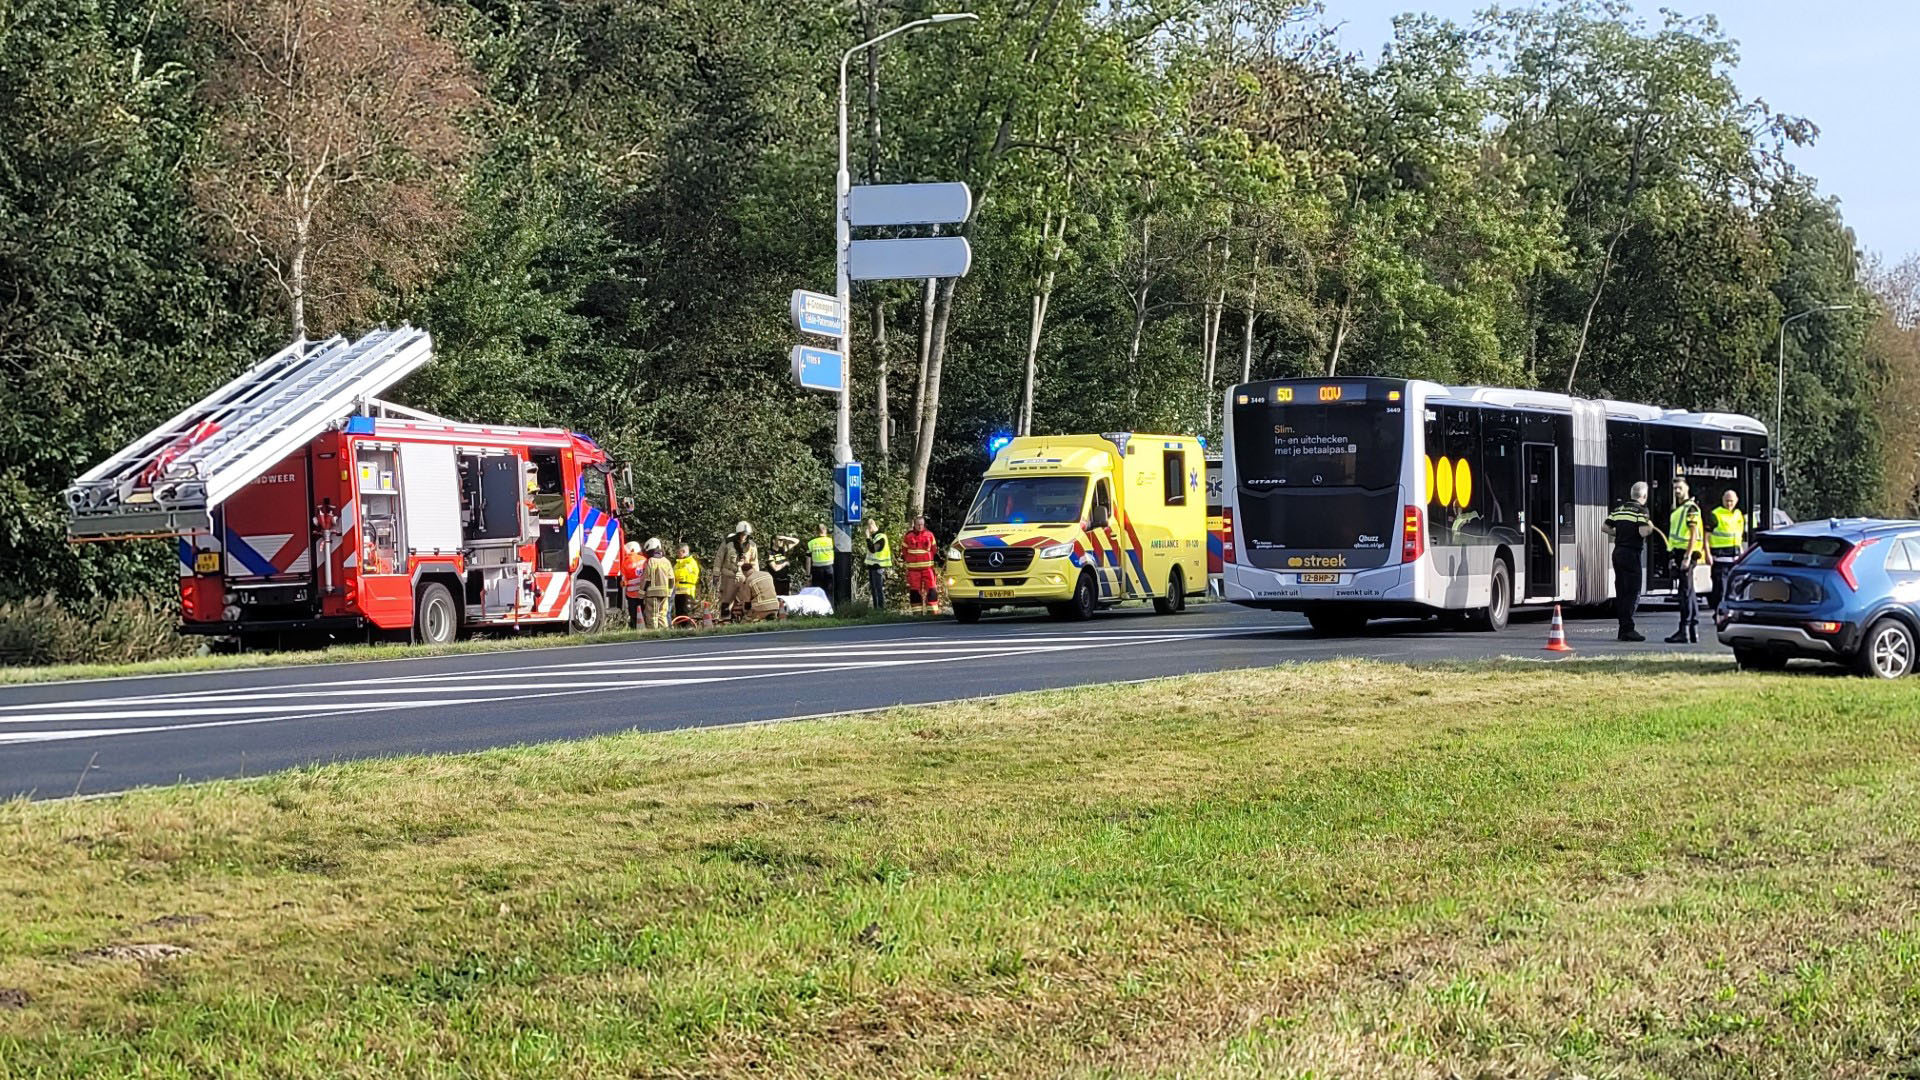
column 1413, row 535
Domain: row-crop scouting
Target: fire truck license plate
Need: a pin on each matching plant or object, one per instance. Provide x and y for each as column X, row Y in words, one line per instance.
column 207, row 562
column 1319, row 579
column 997, row 594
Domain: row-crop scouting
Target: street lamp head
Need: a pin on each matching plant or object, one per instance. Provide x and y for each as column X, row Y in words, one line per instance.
column 954, row 16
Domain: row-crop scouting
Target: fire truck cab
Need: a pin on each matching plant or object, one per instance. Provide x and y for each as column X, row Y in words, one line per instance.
column 379, row 518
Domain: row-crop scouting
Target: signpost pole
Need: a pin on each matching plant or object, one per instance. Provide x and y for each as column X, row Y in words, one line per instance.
column 843, row 290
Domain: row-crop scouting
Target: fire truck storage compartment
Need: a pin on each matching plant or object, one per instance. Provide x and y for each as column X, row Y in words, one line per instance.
column 550, row 504
column 377, row 469
column 431, row 498
column 490, row 493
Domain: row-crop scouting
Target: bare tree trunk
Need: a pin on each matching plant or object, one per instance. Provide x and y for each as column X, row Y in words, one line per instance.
column 1139, row 316
column 1246, row 339
column 880, row 418
column 1214, row 316
column 926, row 350
column 1340, row 333
column 936, row 359
column 1586, row 324
column 1050, row 240
column 297, row 277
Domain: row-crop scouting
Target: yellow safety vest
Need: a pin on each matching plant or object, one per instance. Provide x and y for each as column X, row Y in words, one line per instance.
column 884, row 556
column 1684, row 532
column 686, row 576
column 1729, row 528
column 820, row 550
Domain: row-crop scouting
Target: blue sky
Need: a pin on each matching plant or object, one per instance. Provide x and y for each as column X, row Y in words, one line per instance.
column 1847, row 65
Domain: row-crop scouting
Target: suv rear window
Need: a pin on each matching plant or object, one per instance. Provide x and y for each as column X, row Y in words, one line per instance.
column 1819, row 552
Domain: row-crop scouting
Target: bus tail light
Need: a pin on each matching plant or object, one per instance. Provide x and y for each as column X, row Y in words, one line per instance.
column 1846, row 562
column 1226, row 535
column 1413, row 535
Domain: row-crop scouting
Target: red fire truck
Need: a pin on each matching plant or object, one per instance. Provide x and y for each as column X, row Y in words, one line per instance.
column 302, row 503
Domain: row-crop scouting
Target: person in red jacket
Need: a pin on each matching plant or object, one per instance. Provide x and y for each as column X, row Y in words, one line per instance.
column 918, row 551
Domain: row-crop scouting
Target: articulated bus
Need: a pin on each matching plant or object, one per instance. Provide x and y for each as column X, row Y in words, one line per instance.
column 1356, row 498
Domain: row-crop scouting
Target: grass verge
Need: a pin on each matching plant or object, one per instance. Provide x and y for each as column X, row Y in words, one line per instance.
column 1336, row 869
column 350, row 654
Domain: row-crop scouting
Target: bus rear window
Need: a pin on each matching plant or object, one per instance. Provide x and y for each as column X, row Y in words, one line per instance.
column 1313, row 445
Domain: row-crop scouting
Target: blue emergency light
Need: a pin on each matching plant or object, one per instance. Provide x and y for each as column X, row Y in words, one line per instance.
column 997, row 443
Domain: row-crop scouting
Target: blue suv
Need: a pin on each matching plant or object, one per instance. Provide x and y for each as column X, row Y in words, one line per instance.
column 1842, row 591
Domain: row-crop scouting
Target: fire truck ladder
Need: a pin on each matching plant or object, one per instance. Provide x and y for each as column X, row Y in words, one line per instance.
column 167, row 482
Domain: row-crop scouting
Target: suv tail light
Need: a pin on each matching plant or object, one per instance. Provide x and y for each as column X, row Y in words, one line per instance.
column 1846, row 562
column 1226, row 535
column 1413, row 535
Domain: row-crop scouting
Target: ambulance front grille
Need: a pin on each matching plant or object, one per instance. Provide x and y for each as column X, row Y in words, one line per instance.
column 998, row 560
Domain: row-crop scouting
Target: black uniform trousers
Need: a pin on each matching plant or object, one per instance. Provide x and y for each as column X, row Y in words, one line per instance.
column 1689, row 599
column 1626, row 586
column 877, row 585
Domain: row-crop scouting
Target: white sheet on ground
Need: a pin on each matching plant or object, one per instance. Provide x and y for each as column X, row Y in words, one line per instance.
column 808, row 602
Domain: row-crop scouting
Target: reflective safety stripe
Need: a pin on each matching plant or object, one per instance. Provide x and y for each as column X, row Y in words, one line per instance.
column 1684, row 530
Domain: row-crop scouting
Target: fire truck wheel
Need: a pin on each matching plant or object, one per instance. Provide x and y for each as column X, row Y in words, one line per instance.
column 436, row 620
column 589, row 608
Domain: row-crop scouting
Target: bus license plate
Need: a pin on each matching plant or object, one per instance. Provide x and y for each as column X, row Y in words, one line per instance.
column 1319, row 579
column 207, row 562
column 997, row 594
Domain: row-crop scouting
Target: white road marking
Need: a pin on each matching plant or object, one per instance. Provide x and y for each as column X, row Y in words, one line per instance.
column 252, row 705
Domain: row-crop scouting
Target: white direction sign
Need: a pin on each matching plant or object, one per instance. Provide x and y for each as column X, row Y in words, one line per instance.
column 908, row 204
column 922, row 257
column 817, row 313
column 818, row 369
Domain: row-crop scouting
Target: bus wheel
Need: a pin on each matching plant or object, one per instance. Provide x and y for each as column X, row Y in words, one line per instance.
column 436, row 621
column 1175, row 601
column 1493, row 617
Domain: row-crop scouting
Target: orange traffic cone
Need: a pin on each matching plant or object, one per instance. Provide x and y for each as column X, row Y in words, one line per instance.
column 1557, row 637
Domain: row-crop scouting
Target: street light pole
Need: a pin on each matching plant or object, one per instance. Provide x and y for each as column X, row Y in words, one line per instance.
column 843, row 286
column 1780, row 393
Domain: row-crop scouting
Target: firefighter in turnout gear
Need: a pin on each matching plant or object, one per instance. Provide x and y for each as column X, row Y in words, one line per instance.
column 1629, row 525
column 787, row 550
column 1687, row 547
column 879, row 560
column 753, row 598
column 733, row 552
column 659, row 598
column 686, row 582
column 918, row 549
column 1726, row 541
column 634, row 584
column 820, row 560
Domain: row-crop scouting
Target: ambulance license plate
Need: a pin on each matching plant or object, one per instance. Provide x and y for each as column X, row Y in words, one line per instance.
column 996, row 594
column 1319, row 579
column 207, row 562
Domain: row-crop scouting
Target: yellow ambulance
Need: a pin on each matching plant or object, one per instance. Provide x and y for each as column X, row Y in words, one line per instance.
column 1075, row 523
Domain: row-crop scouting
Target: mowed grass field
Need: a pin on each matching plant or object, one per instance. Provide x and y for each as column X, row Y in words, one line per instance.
column 1605, row 869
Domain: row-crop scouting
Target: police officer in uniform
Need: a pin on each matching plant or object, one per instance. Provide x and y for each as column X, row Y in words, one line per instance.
column 1726, row 541
column 1629, row 525
column 1687, row 547
column 879, row 560
column 820, row 560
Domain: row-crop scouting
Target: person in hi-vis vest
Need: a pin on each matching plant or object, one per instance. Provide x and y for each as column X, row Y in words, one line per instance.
column 1726, row 540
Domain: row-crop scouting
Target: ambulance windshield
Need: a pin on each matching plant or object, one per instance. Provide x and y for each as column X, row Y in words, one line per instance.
column 1029, row 500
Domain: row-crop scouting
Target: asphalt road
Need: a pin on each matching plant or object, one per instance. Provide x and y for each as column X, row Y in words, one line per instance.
column 108, row 735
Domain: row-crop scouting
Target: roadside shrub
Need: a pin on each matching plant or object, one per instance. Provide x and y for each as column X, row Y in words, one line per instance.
column 47, row 630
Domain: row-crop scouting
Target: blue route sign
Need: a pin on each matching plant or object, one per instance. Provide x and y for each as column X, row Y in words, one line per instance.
column 816, row 313
column 848, row 493
column 818, row 369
